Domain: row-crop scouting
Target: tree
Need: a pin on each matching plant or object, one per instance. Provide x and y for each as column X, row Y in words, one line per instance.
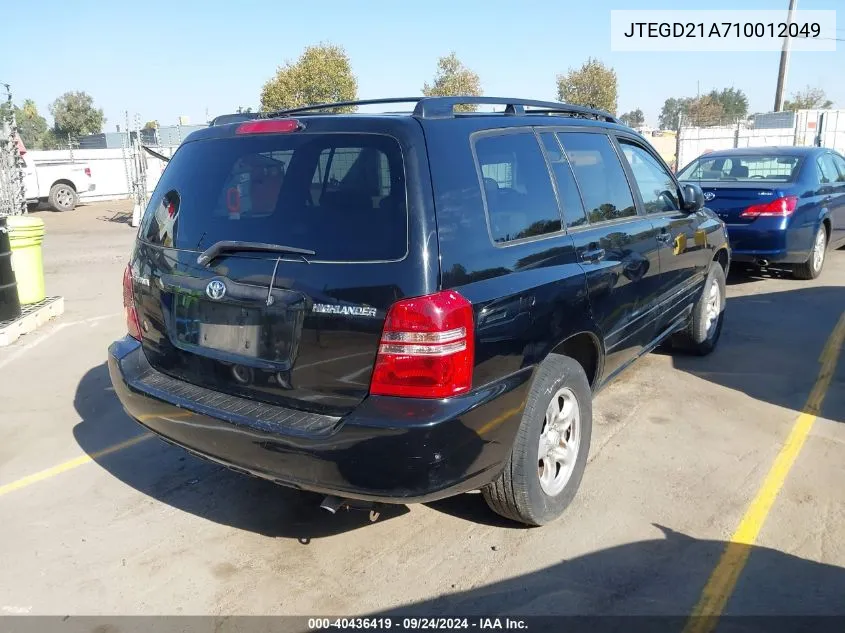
column 322, row 74
column 634, row 119
column 453, row 79
column 593, row 85
column 243, row 110
column 670, row 114
column 75, row 115
column 734, row 103
column 705, row 110
column 32, row 127
column 808, row 99
column 151, row 125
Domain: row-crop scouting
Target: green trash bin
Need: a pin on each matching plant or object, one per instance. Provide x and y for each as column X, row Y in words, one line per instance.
column 25, row 236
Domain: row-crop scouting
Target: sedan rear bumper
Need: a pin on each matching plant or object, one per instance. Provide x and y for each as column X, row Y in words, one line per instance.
column 770, row 239
column 398, row 450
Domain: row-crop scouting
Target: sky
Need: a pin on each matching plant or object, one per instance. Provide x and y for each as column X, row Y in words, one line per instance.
column 165, row 59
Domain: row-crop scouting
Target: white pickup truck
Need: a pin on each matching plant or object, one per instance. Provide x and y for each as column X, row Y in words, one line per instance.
column 57, row 183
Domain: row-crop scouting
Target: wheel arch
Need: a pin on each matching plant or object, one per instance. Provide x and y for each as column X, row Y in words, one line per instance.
column 64, row 181
column 586, row 348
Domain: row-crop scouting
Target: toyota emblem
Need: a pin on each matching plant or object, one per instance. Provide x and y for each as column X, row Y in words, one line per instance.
column 709, row 196
column 215, row 289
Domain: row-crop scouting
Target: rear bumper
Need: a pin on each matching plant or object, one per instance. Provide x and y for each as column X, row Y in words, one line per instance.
column 388, row 449
column 770, row 239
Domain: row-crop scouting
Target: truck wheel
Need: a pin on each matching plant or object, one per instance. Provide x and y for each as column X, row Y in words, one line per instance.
column 62, row 197
column 544, row 470
column 708, row 314
column 812, row 268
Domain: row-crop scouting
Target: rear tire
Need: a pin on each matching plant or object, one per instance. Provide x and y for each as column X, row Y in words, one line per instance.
column 62, row 197
column 547, row 461
column 812, row 268
column 705, row 325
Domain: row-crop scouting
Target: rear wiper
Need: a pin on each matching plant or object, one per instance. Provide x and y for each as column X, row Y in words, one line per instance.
column 229, row 246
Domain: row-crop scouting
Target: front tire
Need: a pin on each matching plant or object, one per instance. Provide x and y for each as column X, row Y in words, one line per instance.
column 62, row 197
column 705, row 325
column 812, row 268
column 547, row 461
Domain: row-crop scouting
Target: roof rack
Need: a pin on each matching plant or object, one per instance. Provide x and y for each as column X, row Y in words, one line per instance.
column 444, row 107
column 340, row 104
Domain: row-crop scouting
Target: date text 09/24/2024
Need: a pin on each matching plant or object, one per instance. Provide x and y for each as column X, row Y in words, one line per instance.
column 417, row 624
column 723, row 29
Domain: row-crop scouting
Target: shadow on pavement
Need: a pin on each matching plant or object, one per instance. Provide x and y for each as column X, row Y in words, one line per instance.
column 770, row 347
column 659, row 577
column 118, row 217
column 742, row 275
column 172, row 476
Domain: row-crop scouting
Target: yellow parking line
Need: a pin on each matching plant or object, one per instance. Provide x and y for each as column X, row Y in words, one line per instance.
column 23, row 482
column 723, row 580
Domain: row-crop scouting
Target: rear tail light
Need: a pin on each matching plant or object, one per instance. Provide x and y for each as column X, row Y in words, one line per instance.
column 780, row 207
column 88, row 171
column 269, row 126
column 427, row 348
column 132, row 325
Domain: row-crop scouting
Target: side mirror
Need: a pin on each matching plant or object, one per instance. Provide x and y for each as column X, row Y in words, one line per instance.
column 693, row 198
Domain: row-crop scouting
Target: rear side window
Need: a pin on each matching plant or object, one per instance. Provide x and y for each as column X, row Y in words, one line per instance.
column 840, row 166
column 517, row 187
column 827, row 169
column 600, row 176
column 567, row 190
column 340, row 195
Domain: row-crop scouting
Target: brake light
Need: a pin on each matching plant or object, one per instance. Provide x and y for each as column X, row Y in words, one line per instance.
column 780, row 207
column 88, row 171
column 132, row 325
column 427, row 348
column 269, row 126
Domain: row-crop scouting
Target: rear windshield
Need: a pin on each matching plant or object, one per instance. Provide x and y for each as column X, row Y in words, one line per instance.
column 340, row 195
column 738, row 168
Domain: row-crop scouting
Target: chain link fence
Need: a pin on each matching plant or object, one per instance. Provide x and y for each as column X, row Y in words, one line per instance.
column 12, row 195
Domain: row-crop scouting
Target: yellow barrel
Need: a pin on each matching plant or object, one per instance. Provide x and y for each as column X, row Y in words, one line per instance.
column 25, row 236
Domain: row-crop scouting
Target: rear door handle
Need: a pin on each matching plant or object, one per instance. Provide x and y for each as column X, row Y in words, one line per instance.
column 595, row 255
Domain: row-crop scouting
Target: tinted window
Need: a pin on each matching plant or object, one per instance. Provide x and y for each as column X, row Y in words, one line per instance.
column 656, row 186
column 341, row 195
column 600, row 176
column 738, row 167
column 840, row 166
column 567, row 190
column 827, row 169
column 517, row 188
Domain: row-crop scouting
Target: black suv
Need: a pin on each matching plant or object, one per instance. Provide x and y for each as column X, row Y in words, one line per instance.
column 400, row 307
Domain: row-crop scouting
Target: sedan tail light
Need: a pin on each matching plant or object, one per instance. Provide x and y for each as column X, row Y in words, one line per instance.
column 780, row 207
column 427, row 348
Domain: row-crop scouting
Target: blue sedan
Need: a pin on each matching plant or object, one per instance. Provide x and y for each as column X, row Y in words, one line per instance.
column 781, row 205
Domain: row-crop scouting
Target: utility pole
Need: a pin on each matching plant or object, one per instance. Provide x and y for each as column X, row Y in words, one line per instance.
column 784, row 61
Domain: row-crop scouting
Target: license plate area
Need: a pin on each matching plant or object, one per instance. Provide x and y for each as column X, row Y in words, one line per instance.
column 218, row 326
column 229, row 328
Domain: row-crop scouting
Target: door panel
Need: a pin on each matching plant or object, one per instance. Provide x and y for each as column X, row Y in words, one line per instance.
column 30, row 181
column 837, row 201
column 622, row 267
column 617, row 248
column 682, row 242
